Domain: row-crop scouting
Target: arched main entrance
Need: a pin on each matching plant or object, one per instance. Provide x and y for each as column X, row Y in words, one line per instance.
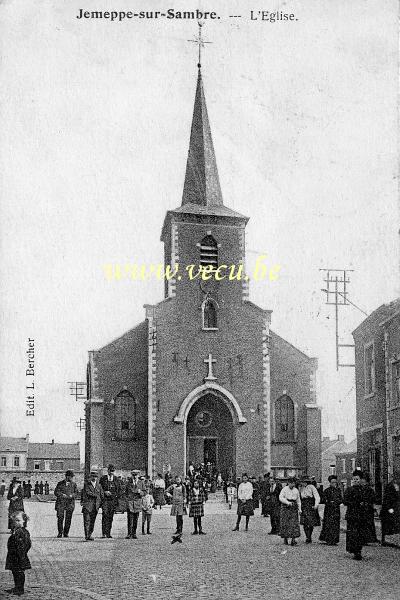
column 210, row 434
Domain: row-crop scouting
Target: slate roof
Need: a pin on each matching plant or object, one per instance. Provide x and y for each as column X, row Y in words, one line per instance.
column 13, row 444
column 53, row 451
column 350, row 448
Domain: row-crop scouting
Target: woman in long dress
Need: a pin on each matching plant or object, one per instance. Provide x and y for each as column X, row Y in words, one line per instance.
column 310, row 500
column 290, row 510
column 159, row 491
column 245, row 502
column 330, row 532
column 16, row 497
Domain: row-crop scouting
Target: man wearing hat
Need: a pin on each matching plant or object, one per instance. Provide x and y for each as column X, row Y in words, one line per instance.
column 66, row 492
column 111, row 489
column 134, row 492
column 91, row 500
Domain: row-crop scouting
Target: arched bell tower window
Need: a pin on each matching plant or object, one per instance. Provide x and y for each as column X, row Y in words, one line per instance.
column 209, row 310
column 125, row 416
column 209, row 252
column 284, row 419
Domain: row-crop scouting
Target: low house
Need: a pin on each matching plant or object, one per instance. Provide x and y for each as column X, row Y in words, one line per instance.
column 50, row 457
column 346, row 464
column 13, row 454
column 329, row 449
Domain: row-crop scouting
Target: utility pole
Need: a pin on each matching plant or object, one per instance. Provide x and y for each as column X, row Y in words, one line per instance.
column 336, row 290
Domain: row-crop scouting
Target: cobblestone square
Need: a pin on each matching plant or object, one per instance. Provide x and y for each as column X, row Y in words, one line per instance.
column 221, row 565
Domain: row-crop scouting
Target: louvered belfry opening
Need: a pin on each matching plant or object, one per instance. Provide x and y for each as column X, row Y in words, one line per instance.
column 208, row 252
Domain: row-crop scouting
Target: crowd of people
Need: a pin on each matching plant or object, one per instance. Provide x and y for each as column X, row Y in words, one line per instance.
column 289, row 506
column 39, row 488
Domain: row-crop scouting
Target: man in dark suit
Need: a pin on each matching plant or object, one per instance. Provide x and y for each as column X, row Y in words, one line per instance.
column 91, row 500
column 66, row 492
column 111, row 489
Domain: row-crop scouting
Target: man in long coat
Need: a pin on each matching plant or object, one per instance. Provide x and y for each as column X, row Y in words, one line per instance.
column 66, row 492
column 356, row 516
column 111, row 489
column 91, row 500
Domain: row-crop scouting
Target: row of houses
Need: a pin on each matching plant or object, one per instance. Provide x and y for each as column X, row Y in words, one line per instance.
column 37, row 461
column 338, row 458
column 377, row 374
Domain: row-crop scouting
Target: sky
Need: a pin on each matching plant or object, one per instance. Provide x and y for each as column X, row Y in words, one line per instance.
column 95, row 120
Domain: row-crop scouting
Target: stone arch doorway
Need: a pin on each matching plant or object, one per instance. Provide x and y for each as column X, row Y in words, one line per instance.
column 210, row 434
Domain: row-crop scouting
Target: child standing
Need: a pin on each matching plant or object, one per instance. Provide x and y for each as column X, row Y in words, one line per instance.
column 231, row 492
column 196, row 500
column 177, row 493
column 18, row 546
column 147, row 511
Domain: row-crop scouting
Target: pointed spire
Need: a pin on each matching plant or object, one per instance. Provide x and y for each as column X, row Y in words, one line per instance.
column 201, row 180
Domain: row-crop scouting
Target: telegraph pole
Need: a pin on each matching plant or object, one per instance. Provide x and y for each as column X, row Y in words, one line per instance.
column 336, row 290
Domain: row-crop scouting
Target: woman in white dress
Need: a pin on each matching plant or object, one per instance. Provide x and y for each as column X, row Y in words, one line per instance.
column 290, row 511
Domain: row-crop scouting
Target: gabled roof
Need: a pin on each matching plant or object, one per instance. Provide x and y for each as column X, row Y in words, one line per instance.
column 53, row 451
column 13, row 444
column 332, row 447
column 350, row 448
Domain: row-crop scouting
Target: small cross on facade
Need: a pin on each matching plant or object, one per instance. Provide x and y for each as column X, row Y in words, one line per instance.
column 199, row 40
column 209, row 361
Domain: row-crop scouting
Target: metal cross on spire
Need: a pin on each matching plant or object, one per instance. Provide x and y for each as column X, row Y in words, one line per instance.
column 199, row 40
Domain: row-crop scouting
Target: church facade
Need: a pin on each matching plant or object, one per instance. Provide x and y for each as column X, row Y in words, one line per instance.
column 203, row 378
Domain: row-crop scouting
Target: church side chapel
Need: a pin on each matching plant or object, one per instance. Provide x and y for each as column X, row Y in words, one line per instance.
column 203, row 378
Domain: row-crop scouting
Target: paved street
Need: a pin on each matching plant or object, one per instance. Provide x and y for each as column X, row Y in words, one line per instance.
column 221, row 565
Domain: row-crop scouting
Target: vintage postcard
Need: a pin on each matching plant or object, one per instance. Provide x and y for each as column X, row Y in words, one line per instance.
column 200, row 310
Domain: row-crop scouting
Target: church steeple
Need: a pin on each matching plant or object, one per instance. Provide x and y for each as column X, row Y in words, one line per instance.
column 201, row 180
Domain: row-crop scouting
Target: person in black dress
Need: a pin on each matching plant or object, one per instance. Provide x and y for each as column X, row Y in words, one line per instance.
column 369, row 499
column 356, row 517
column 18, row 546
column 275, row 506
column 16, row 497
column 390, row 512
column 265, row 495
column 330, row 532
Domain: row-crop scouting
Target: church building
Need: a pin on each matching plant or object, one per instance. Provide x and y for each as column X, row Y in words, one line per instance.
column 203, row 378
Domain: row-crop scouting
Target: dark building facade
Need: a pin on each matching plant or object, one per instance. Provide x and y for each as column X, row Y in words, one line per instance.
column 377, row 355
column 203, row 378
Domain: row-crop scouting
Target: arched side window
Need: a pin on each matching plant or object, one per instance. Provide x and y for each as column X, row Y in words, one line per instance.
column 209, row 310
column 209, row 252
column 284, row 419
column 125, row 416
